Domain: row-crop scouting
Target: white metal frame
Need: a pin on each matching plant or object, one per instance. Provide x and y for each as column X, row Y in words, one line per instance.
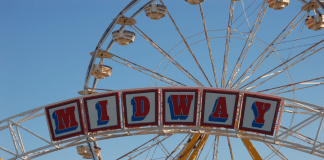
column 312, row 146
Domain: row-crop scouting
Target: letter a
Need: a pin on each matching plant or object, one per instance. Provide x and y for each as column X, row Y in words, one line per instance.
column 65, row 120
column 141, row 107
column 101, row 108
column 219, row 113
column 180, row 106
column 259, row 110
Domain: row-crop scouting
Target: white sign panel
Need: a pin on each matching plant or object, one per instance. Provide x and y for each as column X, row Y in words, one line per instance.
column 65, row 120
column 179, row 106
column 140, row 108
column 219, row 108
column 102, row 112
column 259, row 113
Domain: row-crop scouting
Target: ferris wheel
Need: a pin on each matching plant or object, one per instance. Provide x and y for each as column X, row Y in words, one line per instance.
column 251, row 52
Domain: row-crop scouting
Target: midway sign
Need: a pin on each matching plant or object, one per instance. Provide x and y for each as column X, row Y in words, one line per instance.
column 177, row 106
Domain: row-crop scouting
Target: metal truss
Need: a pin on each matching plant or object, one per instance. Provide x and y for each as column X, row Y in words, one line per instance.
column 290, row 136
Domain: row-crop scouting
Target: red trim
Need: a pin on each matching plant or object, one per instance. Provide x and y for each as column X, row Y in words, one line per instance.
column 118, row 126
column 266, row 97
column 203, row 108
column 155, row 123
column 195, row 106
column 49, row 122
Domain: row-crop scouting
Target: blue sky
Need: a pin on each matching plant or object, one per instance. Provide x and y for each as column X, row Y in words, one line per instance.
column 45, row 46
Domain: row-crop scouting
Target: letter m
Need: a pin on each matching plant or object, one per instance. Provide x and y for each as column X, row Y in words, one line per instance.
column 65, row 120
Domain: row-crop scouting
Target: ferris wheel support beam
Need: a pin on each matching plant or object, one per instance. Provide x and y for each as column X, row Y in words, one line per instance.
column 247, row 45
column 184, row 40
column 298, row 58
column 255, row 64
column 208, row 44
column 185, row 153
column 143, row 69
column 251, row 149
column 199, row 146
column 165, row 54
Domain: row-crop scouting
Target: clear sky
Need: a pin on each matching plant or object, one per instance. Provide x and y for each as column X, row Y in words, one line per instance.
column 45, row 46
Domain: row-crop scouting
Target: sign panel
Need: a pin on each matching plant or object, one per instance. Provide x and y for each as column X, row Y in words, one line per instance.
column 140, row 108
column 179, row 106
column 259, row 113
column 65, row 120
column 219, row 108
column 102, row 112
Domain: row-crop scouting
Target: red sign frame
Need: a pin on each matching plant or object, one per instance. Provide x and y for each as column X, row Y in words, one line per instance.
column 195, row 106
column 203, row 108
column 266, row 97
column 118, row 126
column 156, row 108
column 50, row 125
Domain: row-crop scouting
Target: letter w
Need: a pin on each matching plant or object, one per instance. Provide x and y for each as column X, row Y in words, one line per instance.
column 180, row 106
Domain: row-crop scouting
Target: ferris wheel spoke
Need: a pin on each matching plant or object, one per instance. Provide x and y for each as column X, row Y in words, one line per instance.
column 177, row 148
column 288, row 85
column 144, row 149
column 286, row 71
column 163, row 148
column 247, row 44
column 184, row 40
column 141, row 147
column 216, row 144
column 146, row 71
column 255, row 64
column 165, row 54
column 227, row 44
column 248, row 15
column 208, row 44
column 246, row 18
column 298, row 58
column 230, row 147
column 299, row 88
